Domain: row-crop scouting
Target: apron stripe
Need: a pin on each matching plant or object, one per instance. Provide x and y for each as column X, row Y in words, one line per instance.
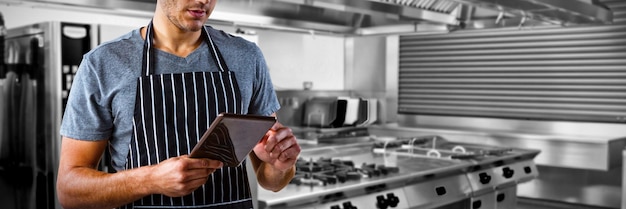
column 225, row 93
column 206, row 97
column 234, row 102
column 218, row 61
column 170, row 119
column 165, row 134
column 132, row 153
column 229, row 186
column 167, row 113
column 154, row 137
column 222, row 96
column 174, row 112
column 185, row 107
column 215, row 94
column 195, row 97
column 154, row 129
column 179, row 200
column 143, row 117
column 199, row 122
column 188, row 120
column 148, row 58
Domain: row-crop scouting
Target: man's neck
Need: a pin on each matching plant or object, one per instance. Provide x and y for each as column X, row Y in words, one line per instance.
column 171, row 39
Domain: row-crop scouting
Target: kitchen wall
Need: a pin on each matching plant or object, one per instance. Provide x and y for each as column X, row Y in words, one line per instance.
column 294, row 58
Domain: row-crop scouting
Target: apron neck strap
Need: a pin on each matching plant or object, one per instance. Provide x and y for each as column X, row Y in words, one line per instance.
column 148, row 63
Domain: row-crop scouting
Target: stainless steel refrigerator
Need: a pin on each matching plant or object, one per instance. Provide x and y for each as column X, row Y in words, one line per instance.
column 40, row 61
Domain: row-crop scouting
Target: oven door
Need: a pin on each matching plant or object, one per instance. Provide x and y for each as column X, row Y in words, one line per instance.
column 19, row 119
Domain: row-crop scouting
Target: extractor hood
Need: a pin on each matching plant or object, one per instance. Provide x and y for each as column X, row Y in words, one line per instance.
column 374, row 17
column 358, row 17
column 528, row 12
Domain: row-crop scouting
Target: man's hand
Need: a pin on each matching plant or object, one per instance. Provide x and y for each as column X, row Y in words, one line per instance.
column 274, row 158
column 278, row 148
column 81, row 185
column 182, row 175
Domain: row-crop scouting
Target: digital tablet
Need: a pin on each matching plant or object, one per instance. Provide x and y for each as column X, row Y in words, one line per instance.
column 231, row 137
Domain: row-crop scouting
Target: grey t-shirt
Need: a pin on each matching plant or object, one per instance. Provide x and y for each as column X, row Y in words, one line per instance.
column 102, row 98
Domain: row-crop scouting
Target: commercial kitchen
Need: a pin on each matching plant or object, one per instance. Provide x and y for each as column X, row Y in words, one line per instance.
column 469, row 104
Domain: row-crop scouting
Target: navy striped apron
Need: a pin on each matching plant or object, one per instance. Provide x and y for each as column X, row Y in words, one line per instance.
column 172, row 111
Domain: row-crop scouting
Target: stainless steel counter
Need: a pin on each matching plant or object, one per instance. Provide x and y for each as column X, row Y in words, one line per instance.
column 294, row 195
column 421, row 181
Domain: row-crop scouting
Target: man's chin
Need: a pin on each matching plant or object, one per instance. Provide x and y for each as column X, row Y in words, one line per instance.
column 195, row 27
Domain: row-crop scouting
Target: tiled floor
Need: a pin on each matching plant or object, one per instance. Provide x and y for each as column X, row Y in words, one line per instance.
column 524, row 203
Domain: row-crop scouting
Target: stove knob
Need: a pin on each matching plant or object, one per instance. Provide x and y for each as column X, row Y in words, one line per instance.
column 507, row 172
column 440, row 191
column 477, row 204
column 484, row 178
column 335, row 207
column 528, row 170
column 393, row 200
column 348, row 205
column 381, row 203
column 500, row 197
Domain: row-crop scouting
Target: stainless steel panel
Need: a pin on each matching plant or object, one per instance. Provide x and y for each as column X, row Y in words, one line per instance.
column 562, row 144
column 623, row 200
column 586, row 188
column 488, row 180
column 563, row 153
column 441, row 192
column 368, row 201
column 506, row 198
column 484, row 201
column 575, row 131
column 482, row 181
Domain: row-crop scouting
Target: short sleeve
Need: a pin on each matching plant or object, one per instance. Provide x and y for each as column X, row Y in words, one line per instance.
column 87, row 116
column 264, row 100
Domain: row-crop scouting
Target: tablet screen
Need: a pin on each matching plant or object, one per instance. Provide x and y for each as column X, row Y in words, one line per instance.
column 231, row 137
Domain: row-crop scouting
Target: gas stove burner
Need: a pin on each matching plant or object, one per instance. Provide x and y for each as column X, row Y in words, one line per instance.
column 325, row 171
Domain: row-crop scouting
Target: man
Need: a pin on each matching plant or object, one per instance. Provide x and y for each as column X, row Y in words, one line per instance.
column 147, row 97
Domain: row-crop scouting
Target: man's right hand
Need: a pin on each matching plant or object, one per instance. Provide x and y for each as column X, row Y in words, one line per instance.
column 81, row 185
column 182, row 175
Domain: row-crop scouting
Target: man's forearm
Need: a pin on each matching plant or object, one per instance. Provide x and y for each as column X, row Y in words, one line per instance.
column 89, row 188
column 273, row 179
column 270, row 178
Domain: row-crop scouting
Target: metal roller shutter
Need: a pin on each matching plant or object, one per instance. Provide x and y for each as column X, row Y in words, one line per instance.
column 574, row 74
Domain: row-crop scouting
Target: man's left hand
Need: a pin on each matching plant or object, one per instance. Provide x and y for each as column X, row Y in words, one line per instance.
column 278, row 148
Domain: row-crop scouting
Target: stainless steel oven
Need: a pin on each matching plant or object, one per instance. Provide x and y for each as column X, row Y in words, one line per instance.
column 41, row 60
